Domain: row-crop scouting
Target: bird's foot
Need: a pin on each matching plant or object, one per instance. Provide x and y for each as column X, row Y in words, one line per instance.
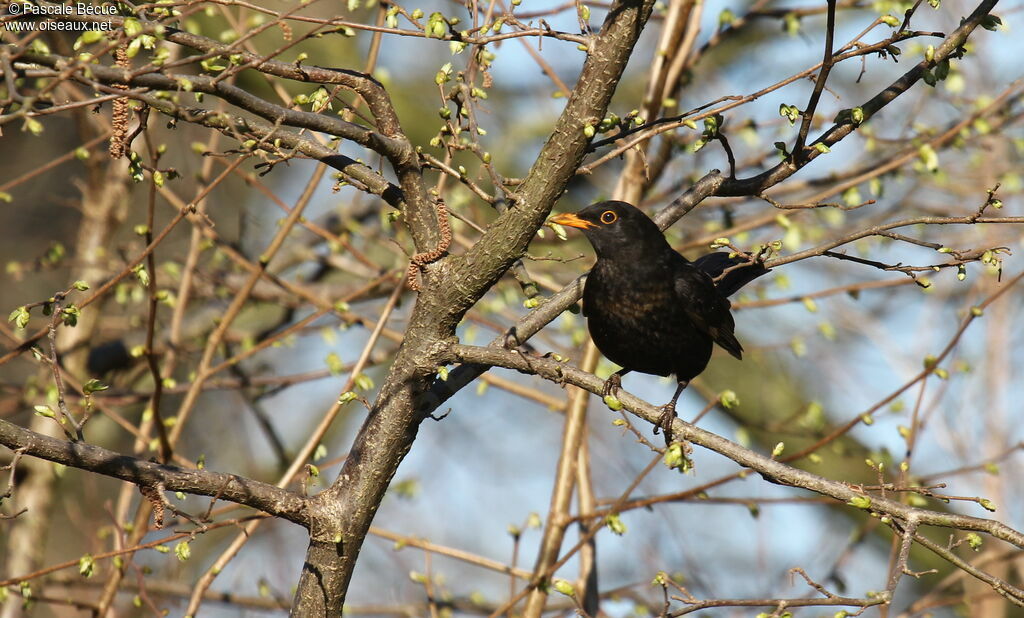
column 612, row 385
column 668, row 415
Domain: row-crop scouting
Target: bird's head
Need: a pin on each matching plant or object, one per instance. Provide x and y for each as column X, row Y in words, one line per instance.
column 615, row 229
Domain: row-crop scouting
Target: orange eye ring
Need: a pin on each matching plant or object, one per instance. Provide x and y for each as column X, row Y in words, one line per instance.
column 609, row 216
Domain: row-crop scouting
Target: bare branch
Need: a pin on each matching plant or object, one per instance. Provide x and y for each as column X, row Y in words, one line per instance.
column 267, row 498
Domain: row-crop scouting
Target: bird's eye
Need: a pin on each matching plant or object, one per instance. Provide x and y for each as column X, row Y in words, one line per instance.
column 609, row 216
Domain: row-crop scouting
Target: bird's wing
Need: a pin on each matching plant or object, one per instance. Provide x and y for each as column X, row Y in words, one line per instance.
column 714, row 264
column 706, row 307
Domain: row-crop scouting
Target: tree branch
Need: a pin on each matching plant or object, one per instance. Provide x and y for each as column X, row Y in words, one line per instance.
column 950, row 46
column 233, row 488
column 772, row 470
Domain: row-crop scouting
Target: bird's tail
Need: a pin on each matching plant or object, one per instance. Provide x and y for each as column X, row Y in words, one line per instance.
column 714, row 264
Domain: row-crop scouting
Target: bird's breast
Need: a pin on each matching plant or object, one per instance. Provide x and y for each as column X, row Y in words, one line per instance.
column 637, row 321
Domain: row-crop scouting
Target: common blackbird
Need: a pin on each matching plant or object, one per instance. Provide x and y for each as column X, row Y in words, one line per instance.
column 648, row 308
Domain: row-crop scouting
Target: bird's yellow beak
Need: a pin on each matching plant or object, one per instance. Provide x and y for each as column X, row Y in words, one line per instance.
column 571, row 220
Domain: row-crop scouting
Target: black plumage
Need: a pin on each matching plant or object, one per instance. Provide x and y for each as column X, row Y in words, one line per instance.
column 648, row 308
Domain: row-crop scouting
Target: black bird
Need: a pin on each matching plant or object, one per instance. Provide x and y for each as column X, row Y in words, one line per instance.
column 648, row 308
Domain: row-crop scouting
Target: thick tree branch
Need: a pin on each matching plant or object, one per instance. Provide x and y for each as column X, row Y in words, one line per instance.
column 182, row 83
column 233, row 488
column 236, row 126
column 366, row 86
column 772, row 470
column 453, row 285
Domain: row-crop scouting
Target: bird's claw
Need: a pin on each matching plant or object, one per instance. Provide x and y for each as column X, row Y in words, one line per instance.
column 668, row 416
column 612, row 385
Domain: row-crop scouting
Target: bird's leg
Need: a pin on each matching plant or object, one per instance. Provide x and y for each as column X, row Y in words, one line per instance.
column 613, row 383
column 668, row 413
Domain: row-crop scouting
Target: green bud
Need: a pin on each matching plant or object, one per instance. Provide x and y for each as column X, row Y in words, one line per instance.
column 70, row 314
column 132, row 27
column 93, row 386
column 563, row 587
column 45, row 411
column 334, row 364
column 674, row 456
column 614, row 523
column 33, row 126
column 88, row 38
column 789, row 112
column 860, row 502
column 86, row 564
column 20, row 317
column 928, row 157
column 444, row 75
column 364, row 382
column 437, row 26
